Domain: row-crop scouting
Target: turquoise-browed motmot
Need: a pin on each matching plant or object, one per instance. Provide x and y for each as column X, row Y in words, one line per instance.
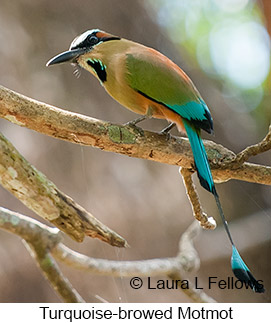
column 150, row 84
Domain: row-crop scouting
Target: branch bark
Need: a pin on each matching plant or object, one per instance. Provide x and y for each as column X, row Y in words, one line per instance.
column 205, row 221
column 39, row 194
column 131, row 141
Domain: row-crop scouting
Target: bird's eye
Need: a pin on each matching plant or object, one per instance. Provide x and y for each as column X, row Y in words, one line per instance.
column 92, row 40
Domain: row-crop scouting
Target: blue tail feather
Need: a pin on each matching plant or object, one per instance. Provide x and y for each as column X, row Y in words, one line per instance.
column 242, row 272
column 239, row 268
column 200, row 157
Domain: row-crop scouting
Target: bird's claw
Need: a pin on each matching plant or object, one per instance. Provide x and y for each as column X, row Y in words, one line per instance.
column 166, row 134
column 134, row 123
column 166, row 130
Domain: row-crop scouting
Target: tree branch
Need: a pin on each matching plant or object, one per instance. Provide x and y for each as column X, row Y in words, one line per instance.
column 205, row 221
column 39, row 194
column 253, row 150
column 131, row 141
column 46, row 243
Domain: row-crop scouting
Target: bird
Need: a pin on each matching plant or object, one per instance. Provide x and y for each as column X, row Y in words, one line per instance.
column 150, row 84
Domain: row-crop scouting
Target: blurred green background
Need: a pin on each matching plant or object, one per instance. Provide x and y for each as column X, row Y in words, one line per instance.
column 224, row 46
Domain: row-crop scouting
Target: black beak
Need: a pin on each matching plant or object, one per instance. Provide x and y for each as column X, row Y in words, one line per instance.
column 68, row 56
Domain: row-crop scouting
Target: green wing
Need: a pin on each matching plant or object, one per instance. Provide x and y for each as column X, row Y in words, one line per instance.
column 156, row 77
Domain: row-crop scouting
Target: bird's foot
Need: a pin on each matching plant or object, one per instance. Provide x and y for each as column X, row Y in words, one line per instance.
column 133, row 123
column 166, row 130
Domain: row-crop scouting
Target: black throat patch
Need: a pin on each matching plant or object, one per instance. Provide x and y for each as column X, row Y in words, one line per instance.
column 99, row 68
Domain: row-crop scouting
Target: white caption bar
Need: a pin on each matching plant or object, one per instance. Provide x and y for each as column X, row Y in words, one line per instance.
column 71, row 313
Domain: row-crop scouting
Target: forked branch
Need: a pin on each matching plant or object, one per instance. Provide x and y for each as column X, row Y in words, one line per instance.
column 253, row 150
column 46, row 245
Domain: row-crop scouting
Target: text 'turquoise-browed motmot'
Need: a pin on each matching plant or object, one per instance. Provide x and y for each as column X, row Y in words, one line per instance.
column 150, row 84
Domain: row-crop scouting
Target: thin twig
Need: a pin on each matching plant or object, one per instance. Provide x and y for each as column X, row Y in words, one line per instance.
column 187, row 260
column 126, row 140
column 187, row 251
column 52, row 272
column 253, row 150
column 189, row 257
column 205, row 221
column 143, row 268
column 46, row 243
column 197, row 295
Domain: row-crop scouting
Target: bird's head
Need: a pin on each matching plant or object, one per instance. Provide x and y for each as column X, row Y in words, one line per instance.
column 81, row 46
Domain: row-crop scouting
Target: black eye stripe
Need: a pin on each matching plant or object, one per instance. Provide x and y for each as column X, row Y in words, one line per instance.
column 88, row 42
column 103, row 39
column 92, row 40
